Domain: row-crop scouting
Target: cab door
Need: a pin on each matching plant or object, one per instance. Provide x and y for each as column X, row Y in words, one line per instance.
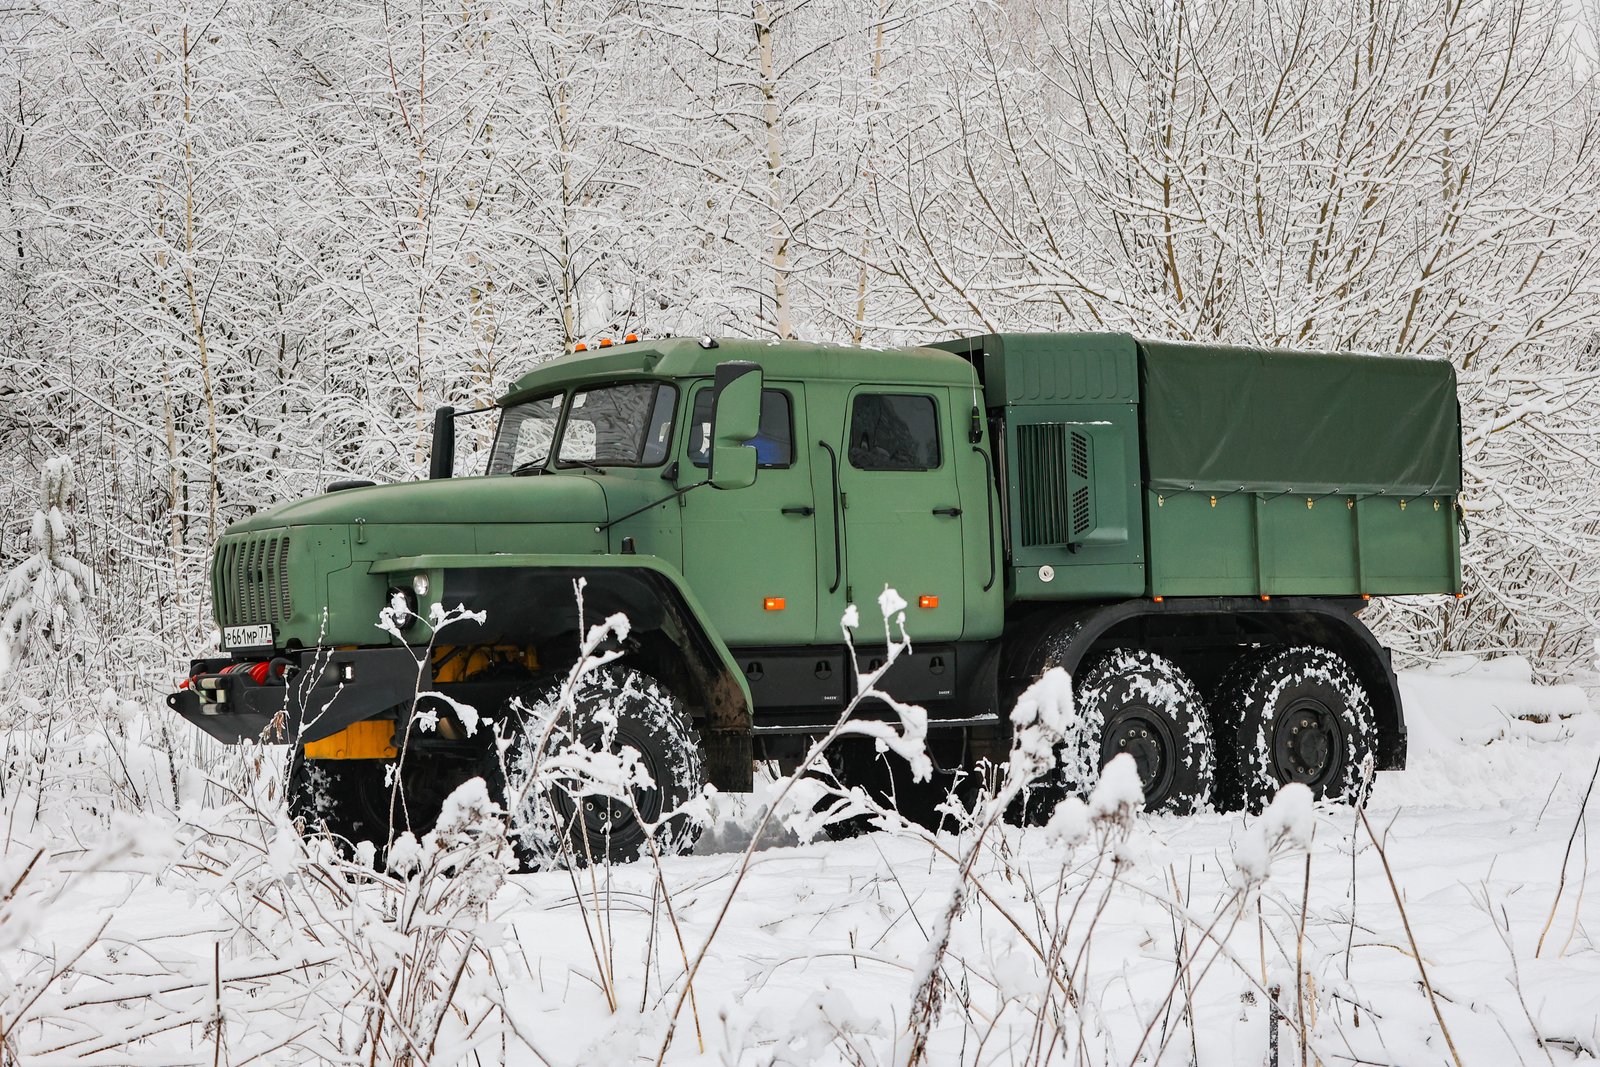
column 902, row 510
column 750, row 554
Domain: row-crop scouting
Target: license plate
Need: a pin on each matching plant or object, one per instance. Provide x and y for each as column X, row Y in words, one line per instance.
column 257, row 636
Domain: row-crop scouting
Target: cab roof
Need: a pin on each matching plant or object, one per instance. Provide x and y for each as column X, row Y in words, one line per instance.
column 687, row 358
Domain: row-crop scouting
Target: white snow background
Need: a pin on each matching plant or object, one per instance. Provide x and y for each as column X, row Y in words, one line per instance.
column 209, row 932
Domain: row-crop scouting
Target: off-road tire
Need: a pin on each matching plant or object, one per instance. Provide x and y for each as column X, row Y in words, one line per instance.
column 1038, row 801
column 1137, row 702
column 345, row 798
column 350, row 799
column 551, row 827
column 1293, row 714
column 886, row 778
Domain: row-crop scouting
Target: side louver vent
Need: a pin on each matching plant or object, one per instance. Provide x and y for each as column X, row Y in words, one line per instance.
column 1080, row 511
column 1056, row 504
column 1080, row 455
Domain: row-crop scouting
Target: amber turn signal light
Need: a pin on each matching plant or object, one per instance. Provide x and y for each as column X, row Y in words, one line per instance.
column 927, row 601
column 774, row 603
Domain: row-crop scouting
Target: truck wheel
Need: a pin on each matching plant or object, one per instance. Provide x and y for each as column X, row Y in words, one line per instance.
column 1038, row 801
column 886, row 778
column 345, row 797
column 559, row 819
column 1292, row 715
column 1143, row 704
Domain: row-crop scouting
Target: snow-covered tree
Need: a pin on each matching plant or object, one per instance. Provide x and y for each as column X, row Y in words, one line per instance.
column 247, row 249
column 42, row 598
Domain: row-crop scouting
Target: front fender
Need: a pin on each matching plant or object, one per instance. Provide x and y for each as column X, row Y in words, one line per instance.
column 529, row 597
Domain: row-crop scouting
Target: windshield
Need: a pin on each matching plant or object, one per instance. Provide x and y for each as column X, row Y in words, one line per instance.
column 616, row 425
column 621, row 425
column 526, row 433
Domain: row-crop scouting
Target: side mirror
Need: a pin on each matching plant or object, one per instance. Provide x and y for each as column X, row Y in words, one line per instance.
column 442, row 462
column 735, row 419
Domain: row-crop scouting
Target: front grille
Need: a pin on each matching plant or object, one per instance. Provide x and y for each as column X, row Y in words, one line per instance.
column 251, row 580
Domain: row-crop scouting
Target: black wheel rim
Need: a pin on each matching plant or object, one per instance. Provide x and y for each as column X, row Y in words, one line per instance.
column 1145, row 735
column 1308, row 744
column 606, row 821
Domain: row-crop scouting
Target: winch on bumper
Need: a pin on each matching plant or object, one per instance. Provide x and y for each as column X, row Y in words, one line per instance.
column 297, row 696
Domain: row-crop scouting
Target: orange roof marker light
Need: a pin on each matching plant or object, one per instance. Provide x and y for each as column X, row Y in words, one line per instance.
column 927, row 601
column 580, row 347
column 774, row 603
column 605, row 342
column 630, row 339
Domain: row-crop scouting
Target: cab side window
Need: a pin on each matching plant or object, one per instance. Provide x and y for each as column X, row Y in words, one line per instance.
column 894, row 432
column 774, row 441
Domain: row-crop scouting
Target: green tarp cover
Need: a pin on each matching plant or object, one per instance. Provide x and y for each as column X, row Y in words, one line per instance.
column 1222, row 419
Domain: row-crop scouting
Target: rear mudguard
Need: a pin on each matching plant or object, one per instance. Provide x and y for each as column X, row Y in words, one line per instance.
column 531, row 598
column 1300, row 620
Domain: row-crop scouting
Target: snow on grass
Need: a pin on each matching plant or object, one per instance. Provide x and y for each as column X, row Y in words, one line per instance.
column 184, row 934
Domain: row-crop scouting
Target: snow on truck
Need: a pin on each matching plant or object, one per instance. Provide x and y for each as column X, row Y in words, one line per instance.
column 1190, row 531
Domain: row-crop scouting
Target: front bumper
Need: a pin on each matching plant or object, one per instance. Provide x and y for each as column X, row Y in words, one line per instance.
column 322, row 691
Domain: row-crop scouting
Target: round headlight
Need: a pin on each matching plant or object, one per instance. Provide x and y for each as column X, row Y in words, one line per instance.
column 403, row 602
column 419, row 584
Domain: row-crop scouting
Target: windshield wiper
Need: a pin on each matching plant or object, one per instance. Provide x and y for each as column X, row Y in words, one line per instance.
column 533, row 466
column 581, row 463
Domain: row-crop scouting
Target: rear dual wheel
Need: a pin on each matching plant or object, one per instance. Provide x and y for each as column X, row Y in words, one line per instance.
column 1134, row 702
column 1146, row 707
column 1284, row 715
column 1291, row 715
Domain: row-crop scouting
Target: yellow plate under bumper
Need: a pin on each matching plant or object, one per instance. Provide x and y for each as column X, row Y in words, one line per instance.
column 373, row 739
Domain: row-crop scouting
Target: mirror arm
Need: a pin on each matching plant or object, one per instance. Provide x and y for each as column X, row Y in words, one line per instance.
column 675, row 494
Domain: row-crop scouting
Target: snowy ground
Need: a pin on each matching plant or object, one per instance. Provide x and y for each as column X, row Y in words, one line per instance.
column 208, row 934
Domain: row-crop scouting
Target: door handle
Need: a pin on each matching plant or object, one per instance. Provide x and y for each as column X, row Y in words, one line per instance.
column 952, row 512
column 800, row 509
column 838, row 506
column 988, row 500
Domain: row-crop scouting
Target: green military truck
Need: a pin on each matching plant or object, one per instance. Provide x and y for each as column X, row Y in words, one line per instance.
column 1190, row 531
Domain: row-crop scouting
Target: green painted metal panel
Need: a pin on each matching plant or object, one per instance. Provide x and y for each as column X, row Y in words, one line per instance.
column 682, row 358
column 745, row 547
column 894, row 533
column 1307, row 546
column 1103, row 554
column 565, row 497
column 1201, row 548
column 1414, row 549
column 1246, row 544
column 1053, row 368
column 1076, row 581
column 1068, row 400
